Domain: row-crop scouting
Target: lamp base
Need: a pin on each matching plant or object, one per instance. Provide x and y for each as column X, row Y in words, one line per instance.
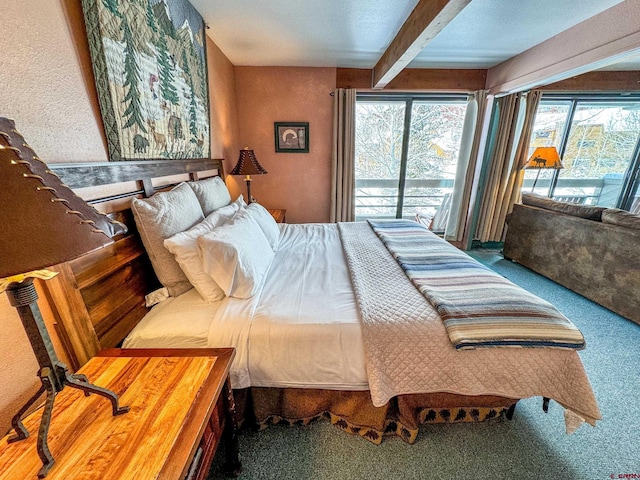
column 54, row 375
column 250, row 199
column 47, row 377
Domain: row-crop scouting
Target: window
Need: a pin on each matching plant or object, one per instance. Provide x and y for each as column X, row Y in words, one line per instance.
column 548, row 129
column 634, row 204
column 406, row 153
column 597, row 137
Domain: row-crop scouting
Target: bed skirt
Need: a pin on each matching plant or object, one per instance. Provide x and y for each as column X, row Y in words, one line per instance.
column 353, row 411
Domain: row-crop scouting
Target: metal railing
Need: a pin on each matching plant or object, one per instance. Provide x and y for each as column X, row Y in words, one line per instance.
column 378, row 198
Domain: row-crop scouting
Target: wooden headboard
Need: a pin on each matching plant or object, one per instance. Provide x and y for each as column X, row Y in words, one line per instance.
column 97, row 299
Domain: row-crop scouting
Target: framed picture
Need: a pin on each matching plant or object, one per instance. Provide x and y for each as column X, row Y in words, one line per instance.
column 292, row 137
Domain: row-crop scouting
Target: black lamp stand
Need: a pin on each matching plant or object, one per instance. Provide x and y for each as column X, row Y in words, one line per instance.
column 536, row 180
column 53, row 374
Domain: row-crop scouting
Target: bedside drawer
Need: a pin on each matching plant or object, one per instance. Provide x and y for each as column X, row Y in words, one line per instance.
column 209, row 443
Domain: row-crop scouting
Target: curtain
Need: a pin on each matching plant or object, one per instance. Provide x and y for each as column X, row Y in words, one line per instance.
column 513, row 186
column 463, row 183
column 516, row 114
column 343, row 158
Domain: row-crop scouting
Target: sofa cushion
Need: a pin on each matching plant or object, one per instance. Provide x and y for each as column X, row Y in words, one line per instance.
column 576, row 210
column 615, row 216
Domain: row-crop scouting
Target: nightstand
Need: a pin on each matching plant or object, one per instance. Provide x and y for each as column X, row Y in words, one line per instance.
column 181, row 405
column 278, row 214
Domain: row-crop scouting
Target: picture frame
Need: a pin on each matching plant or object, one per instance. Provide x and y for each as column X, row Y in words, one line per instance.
column 291, row 137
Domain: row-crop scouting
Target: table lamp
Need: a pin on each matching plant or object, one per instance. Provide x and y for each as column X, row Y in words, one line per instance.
column 248, row 165
column 543, row 157
column 43, row 224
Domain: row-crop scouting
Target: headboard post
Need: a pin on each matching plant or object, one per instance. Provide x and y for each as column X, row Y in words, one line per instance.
column 72, row 321
column 147, row 187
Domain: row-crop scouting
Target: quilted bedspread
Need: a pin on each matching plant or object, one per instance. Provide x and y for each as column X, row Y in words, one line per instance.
column 407, row 349
column 478, row 307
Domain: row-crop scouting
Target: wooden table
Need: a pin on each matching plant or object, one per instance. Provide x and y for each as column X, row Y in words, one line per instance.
column 180, row 403
column 278, row 214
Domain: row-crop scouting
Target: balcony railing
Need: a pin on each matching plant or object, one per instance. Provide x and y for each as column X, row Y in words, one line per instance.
column 378, row 198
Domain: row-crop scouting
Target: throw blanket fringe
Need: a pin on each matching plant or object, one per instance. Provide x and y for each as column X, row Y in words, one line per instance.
column 478, row 307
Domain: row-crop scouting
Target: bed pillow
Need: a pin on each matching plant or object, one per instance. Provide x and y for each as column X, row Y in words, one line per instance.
column 266, row 222
column 237, row 256
column 212, row 194
column 231, row 209
column 184, row 248
column 160, row 217
column 239, row 202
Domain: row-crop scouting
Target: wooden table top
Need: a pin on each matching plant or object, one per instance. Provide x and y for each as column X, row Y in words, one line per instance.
column 171, row 394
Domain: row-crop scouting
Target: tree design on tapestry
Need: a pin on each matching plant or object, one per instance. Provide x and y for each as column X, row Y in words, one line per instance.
column 149, row 61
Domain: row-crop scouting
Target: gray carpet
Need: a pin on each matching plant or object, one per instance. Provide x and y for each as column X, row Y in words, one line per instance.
column 533, row 445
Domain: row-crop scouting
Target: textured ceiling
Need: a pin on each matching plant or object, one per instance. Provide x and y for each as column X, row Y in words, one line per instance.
column 355, row 33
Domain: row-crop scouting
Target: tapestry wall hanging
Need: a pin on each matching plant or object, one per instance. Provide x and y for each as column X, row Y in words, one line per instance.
column 150, row 64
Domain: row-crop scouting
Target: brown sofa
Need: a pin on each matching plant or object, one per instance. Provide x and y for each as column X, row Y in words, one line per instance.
column 593, row 251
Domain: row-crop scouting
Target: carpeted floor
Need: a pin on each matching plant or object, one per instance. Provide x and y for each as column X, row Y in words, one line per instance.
column 533, row 445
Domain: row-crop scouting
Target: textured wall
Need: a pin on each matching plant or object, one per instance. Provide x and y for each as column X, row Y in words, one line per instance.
column 46, row 85
column 299, row 182
column 222, row 97
column 42, row 85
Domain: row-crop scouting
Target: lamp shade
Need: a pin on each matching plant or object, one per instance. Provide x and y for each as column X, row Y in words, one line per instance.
column 544, row 157
column 42, row 222
column 248, row 164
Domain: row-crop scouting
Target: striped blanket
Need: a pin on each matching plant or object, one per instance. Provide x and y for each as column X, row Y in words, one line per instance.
column 478, row 307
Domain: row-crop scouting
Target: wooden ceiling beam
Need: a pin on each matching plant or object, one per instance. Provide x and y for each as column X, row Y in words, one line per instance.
column 422, row 79
column 599, row 81
column 426, row 20
column 604, row 39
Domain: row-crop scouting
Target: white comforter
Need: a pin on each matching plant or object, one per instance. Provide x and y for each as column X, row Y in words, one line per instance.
column 301, row 330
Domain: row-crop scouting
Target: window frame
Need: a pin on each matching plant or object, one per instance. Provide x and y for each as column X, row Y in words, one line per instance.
column 631, row 178
column 409, row 99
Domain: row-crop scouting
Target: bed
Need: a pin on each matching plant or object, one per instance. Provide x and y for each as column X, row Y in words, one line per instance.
column 302, row 351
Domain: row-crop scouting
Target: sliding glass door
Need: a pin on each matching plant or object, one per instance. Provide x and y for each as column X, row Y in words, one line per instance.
column 406, row 154
column 597, row 138
column 379, row 142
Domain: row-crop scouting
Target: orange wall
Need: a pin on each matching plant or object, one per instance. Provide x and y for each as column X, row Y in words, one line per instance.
column 299, row 182
column 222, row 100
column 46, row 86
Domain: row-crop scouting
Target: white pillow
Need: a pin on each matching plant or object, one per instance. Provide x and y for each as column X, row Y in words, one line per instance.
column 237, row 256
column 240, row 201
column 266, row 222
column 185, row 250
column 212, row 194
column 162, row 216
column 231, row 209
